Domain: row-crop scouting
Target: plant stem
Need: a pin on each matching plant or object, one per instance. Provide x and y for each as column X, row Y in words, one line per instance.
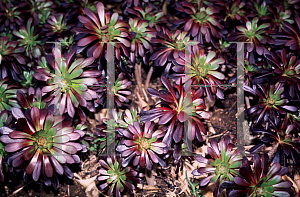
column 18, row 190
column 148, row 77
column 273, row 150
column 138, row 76
column 149, row 174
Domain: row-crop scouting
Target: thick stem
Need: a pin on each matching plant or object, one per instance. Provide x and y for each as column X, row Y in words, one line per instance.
column 149, row 174
column 18, row 190
column 148, row 78
column 138, row 76
column 273, row 150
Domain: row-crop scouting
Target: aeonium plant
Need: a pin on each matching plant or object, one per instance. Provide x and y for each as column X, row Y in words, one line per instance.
column 110, row 127
column 223, row 163
column 171, row 45
column 287, row 72
column 290, row 35
column 34, row 98
column 120, row 91
column 201, row 21
column 142, row 145
column 11, row 58
column 256, row 35
column 29, row 39
column 114, row 178
column 234, row 11
column 5, row 120
column 271, row 102
column 43, row 143
column 155, row 18
column 284, row 139
column 69, row 82
column 203, row 72
column 57, row 26
column 8, row 95
column 10, row 16
column 260, row 181
column 172, row 112
column 141, row 35
column 101, row 29
column 40, row 9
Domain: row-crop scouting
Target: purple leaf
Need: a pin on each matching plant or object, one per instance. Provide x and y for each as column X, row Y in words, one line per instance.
column 206, row 180
column 241, row 182
column 167, row 117
column 47, row 166
column 57, row 166
column 12, row 147
column 37, row 169
column 31, row 165
column 273, row 170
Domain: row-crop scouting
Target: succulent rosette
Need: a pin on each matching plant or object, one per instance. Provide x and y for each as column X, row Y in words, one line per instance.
column 141, row 39
column 257, row 36
column 279, row 15
column 222, row 50
column 114, row 178
column 10, row 55
column 202, row 21
column 120, row 120
column 39, row 9
column 43, row 144
column 10, row 16
column 294, row 119
column 154, row 18
column 271, row 103
column 56, row 26
column 234, row 11
column 284, row 139
column 287, row 72
column 204, row 74
column 260, row 181
column 124, row 118
column 120, row 91
column 172, row 113
column 172, row 46
column 108, row 29
column 34, row 99
column 259, row 9
column 70, row 82
column 142, row 145
column 7, row 95
column 5, row 120
column 29, row 39
column 223, row 166
column 182, row 156
column 290, row 36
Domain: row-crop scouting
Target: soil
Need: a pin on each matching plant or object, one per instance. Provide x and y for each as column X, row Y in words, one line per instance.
column 223, row 115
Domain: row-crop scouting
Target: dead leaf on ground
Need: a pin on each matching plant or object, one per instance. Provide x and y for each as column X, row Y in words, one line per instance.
column 297, row 181
column 90, row 185
column 287, row 178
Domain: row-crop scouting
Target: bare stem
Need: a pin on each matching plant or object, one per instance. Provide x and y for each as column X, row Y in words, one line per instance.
column 138, row 76
column 149, row 174
column 148, row 78
column 247, row 102
column 273, row 150
column 18, row 190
